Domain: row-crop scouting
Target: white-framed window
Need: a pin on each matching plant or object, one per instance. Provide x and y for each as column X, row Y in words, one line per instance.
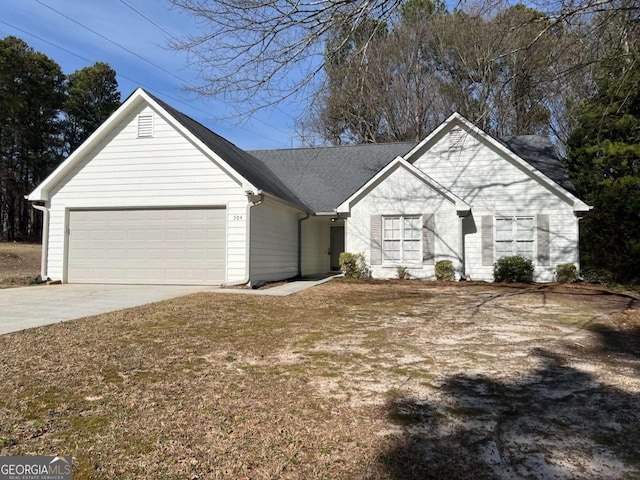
column 515, row 236
column 401, row 239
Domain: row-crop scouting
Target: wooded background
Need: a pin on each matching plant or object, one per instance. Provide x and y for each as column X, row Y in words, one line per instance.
column 44, row 115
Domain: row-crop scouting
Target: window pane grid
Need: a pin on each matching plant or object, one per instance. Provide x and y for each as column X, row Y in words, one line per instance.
column 391, row 249
column 524, row 230
column 515, row 236
column 402, row 239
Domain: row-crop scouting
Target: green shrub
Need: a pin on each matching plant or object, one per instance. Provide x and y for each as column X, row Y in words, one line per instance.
column 403, row 272
column 596, row 276
column 566, row 273
column 513, row 269
column 354, row 265
column 444, row 270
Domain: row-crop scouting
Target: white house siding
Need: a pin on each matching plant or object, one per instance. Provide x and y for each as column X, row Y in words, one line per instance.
column 402, row 193
column 315, row 245
column 166, row 170
column 274, row 242
column 494, row 186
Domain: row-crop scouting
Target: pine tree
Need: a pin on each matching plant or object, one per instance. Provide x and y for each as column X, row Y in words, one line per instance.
column 604, row 164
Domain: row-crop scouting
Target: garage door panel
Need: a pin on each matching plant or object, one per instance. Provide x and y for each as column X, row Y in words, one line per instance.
column 180, row 246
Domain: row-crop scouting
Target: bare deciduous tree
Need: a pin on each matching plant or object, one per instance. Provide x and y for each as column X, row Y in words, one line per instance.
column 259, row 52
column 511, row 69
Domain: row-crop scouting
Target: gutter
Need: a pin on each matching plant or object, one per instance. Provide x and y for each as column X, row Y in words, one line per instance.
column 45, row 240
column 254, row 199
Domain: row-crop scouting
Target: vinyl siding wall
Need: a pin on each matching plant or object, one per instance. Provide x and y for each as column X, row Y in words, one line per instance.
column 274, row 242
column 166, row 170
column 315, row 245
column 493, row 186
column 402, row 193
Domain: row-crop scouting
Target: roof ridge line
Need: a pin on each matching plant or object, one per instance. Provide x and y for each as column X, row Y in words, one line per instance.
column 327, row 147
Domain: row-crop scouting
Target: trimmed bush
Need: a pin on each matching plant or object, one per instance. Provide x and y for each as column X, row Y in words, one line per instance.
column 354, row 265
column 444, row 270
column 566, row 273
column 513, row 269
column 403, row 272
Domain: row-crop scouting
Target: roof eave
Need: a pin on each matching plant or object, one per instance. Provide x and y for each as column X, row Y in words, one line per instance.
column 295, row 206
column 580, row 208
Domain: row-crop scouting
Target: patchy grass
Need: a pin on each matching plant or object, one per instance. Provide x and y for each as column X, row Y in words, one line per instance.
column 19, row 264
column 357, row 380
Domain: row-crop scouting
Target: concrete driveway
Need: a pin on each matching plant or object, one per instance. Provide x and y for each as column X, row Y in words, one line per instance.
column 28, row 307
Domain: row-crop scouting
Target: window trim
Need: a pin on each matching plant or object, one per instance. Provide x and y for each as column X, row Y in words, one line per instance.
column 394, row 263
column 514, row 234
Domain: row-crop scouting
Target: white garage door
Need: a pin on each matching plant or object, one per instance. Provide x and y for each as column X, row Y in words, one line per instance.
column 172, row 246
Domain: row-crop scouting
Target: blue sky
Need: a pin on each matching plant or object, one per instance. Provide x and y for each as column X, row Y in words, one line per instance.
column 56, row 36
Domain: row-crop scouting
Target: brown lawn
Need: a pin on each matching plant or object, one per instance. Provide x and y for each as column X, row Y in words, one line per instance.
column 349, row 380
column 19, row 263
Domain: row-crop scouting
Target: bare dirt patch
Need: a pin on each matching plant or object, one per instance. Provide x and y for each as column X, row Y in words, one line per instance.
column 391, row 380
column 19, row 263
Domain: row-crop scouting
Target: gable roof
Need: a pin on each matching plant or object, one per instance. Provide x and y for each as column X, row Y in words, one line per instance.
column 248, row 166
column 529, row 153
column 236, row 162
column 462, row 207
column 324, row 177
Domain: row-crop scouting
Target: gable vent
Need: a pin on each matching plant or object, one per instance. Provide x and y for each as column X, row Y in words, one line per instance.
column 145, row 126
column 456, row 138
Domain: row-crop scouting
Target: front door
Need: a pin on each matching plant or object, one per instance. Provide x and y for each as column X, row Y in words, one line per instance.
column 336, row 246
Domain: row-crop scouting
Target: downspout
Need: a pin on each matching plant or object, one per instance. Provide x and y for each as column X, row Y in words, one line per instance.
column 259, row 198
column 45, row 240
column 578, row 246
column 461, row 248
column 300, row 220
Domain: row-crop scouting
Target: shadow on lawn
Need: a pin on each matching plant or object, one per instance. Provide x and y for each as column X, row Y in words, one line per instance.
column 557, row 422
column 618, row 342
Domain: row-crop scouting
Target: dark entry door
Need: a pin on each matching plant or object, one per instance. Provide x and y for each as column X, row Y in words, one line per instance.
column 336, row 246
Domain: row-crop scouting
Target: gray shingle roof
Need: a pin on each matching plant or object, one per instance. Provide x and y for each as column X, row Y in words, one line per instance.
column 321, row 178
column 324, row 177
column 542, row 155
column 254, row 170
